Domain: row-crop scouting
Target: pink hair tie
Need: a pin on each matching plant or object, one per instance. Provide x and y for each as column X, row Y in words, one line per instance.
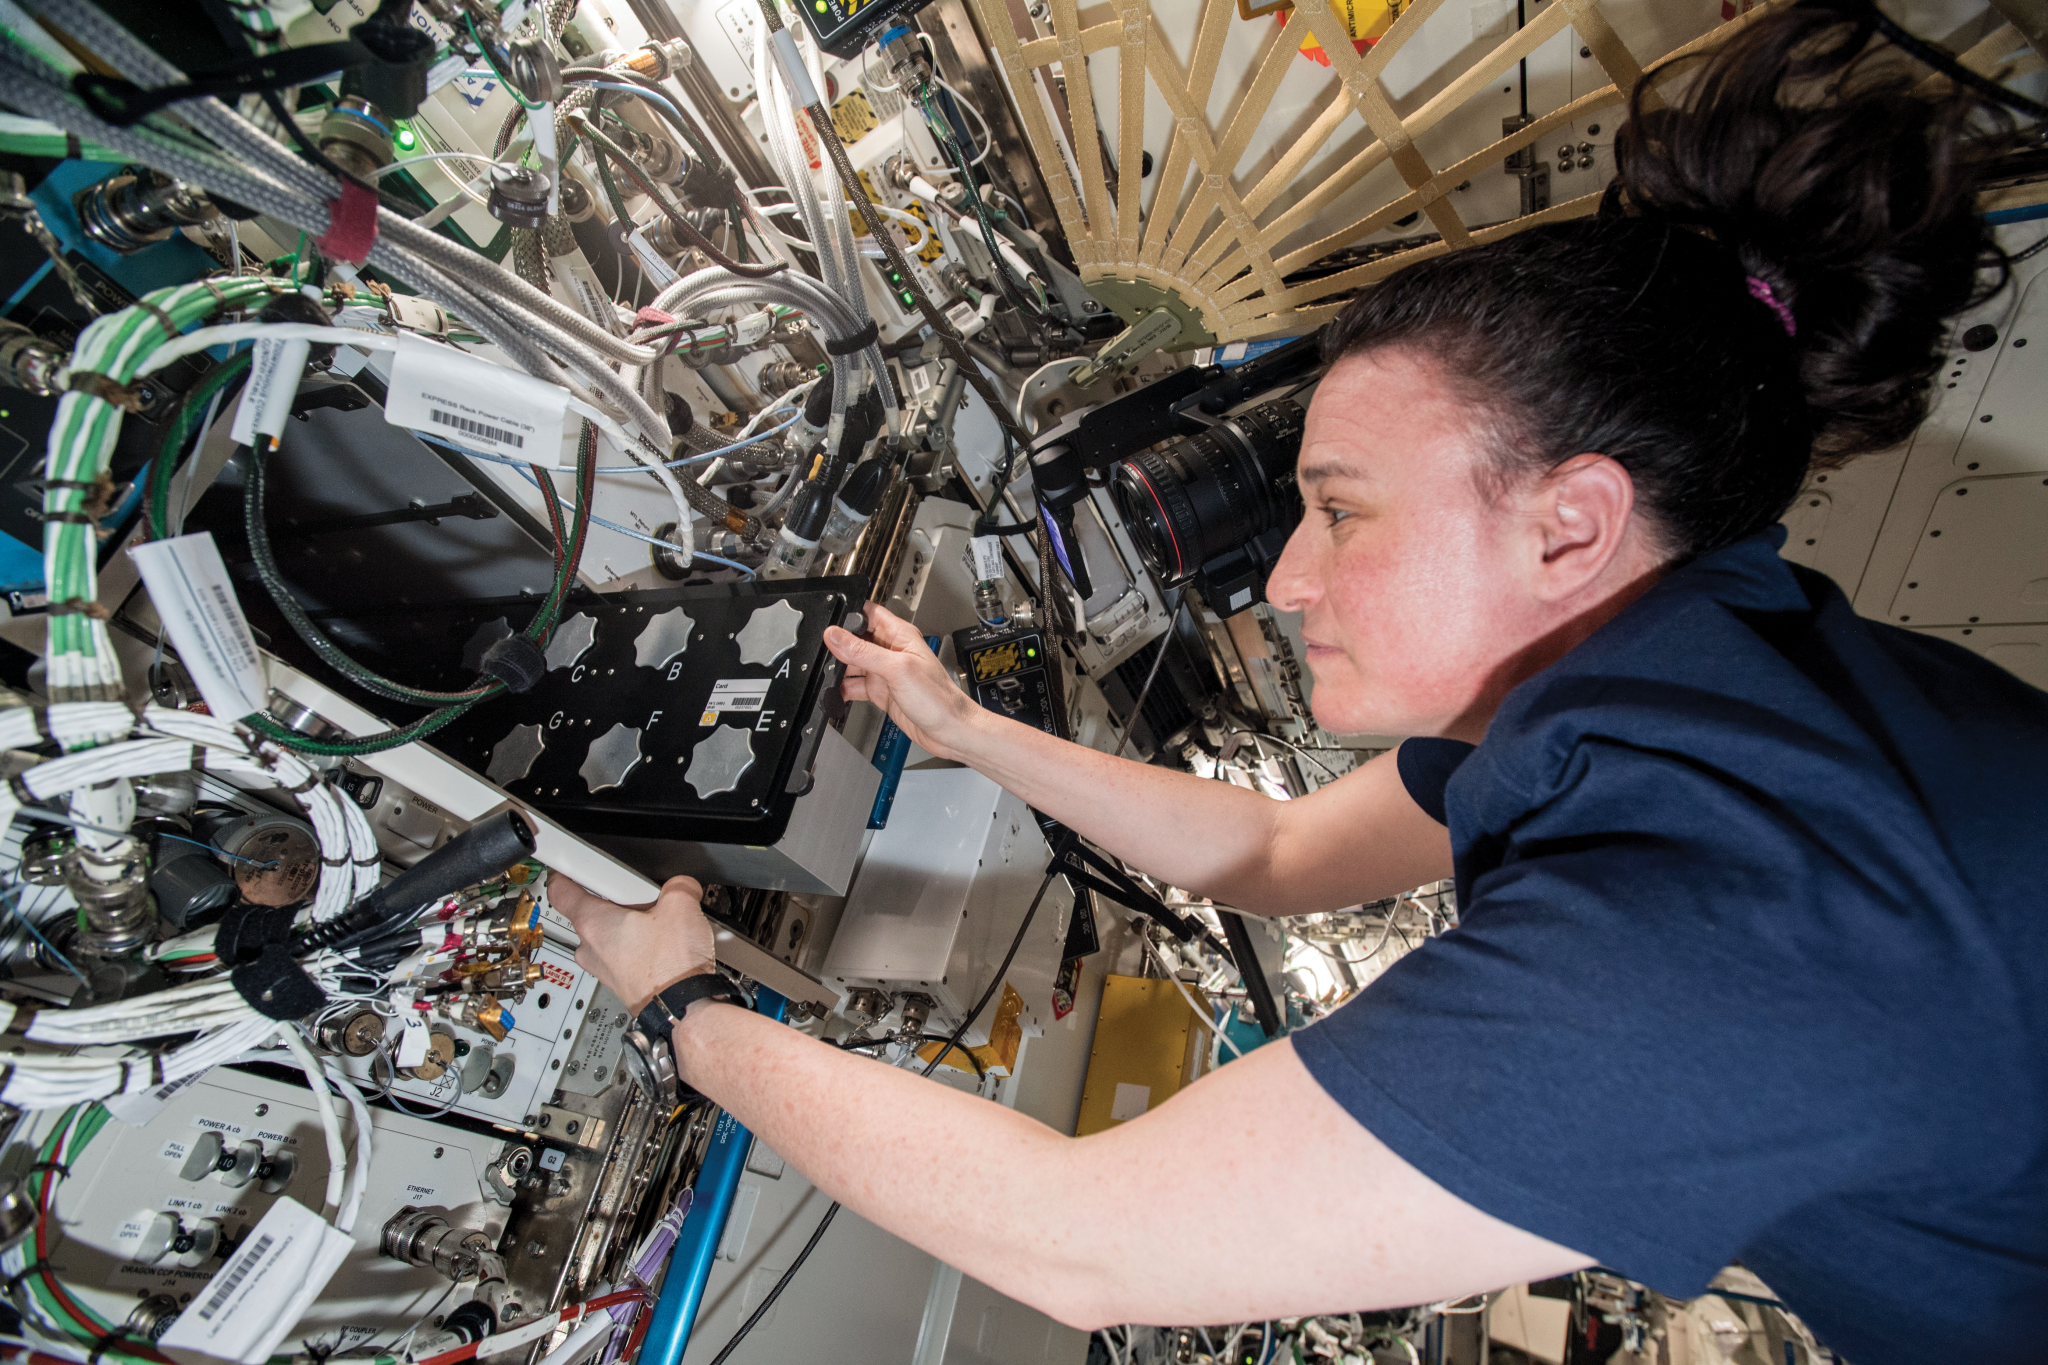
column 1760, row 290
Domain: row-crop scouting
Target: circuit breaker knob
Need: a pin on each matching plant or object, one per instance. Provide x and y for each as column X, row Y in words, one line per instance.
column 167, row 1237
column 157, row 1238
column 204, row 1158
column 18, row 1213
column 248, row 1163
column 276, row 1173
column 198, row 1243
column 242, row 1164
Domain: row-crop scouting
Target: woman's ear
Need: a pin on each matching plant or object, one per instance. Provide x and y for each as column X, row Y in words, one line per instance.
column 1583, row 511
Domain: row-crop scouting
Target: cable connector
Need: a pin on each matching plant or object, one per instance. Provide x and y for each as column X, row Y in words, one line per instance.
column 515, row 661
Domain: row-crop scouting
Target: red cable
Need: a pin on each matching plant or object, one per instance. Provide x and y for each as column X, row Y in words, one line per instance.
column 562, row 1315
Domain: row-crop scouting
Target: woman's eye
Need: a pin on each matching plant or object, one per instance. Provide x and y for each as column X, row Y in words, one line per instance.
column 1335, row 514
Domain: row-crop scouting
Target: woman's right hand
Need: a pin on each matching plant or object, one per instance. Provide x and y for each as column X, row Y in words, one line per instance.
column 896, row 671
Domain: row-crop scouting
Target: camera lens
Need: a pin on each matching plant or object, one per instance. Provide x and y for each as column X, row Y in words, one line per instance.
column 1208, row 494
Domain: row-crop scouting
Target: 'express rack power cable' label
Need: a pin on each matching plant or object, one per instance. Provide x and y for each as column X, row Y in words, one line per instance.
column 468, row 401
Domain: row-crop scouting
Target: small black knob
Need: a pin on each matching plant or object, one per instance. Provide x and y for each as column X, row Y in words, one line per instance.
column 519, row 197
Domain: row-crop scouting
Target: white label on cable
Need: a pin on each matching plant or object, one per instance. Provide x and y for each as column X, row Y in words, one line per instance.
column 275, row 368
column 660, row 272
column 471, row 402
column 541, row 119
column 412, row 1042
column 259, row 1295
column 194, row 598
column 988, row 558
column 138, row 1107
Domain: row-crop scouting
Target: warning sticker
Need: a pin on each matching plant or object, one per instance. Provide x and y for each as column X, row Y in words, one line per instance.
column 735, row 694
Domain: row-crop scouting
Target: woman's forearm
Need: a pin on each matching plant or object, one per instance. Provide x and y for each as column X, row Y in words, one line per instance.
column 1358, row 839
column 1210, row 837
column 866, row 1134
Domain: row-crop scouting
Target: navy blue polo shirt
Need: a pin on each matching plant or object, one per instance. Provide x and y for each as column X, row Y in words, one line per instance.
column 1752, row 966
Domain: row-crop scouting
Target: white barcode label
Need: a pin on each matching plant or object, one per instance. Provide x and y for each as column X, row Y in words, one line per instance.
column 189, row 586
column 254, row 1300
column 238, row 1271
column 735, row 694
column 470, row 402
column 919, row 377
column 988, row 558
column 275, row 368
column 140, row 1106
column 483, row 429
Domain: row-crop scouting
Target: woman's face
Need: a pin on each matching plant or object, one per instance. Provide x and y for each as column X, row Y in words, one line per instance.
column 1416, row 585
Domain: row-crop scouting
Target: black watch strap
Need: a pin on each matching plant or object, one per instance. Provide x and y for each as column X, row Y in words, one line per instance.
column 670, row 1003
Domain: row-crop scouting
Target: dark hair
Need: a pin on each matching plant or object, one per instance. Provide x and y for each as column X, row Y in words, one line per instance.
column 1800, row 155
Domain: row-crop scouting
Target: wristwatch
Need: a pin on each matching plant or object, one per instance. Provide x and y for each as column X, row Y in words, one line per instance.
column 669, row 1004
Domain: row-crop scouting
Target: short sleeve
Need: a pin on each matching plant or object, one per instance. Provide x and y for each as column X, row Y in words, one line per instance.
column 1669, row 1019
column 1426, row 766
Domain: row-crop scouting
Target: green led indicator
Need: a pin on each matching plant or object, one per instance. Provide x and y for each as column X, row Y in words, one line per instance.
column 406, row 140
column 819, row 5
column 1030, row 653
column 908, row 300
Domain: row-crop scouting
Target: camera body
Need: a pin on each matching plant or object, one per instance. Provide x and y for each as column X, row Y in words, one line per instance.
column 1207, row 494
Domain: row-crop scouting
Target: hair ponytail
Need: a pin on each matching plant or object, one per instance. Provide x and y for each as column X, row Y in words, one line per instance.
column 1764, row 291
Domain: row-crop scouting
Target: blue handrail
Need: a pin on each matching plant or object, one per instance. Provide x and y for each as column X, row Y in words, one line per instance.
column 689, row 1264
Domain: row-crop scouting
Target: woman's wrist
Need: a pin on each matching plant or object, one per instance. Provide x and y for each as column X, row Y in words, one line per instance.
column 665, row 980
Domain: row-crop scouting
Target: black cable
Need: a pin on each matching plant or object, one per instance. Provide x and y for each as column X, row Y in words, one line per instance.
column 604, row 145
column 862, row 1044
column 255, row 460
column 1138, row 706
column 951, row 1046
column 966, row 1022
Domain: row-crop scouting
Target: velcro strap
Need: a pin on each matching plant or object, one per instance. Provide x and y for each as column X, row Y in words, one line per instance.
column 71, row 518
column 246, row 930
column 351, row 225
column 163, row 319
column 277, row 987
column 859, row 341
column 79, row 606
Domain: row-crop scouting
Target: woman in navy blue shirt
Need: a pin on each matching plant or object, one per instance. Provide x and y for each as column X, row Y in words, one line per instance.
column 1753, row 963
